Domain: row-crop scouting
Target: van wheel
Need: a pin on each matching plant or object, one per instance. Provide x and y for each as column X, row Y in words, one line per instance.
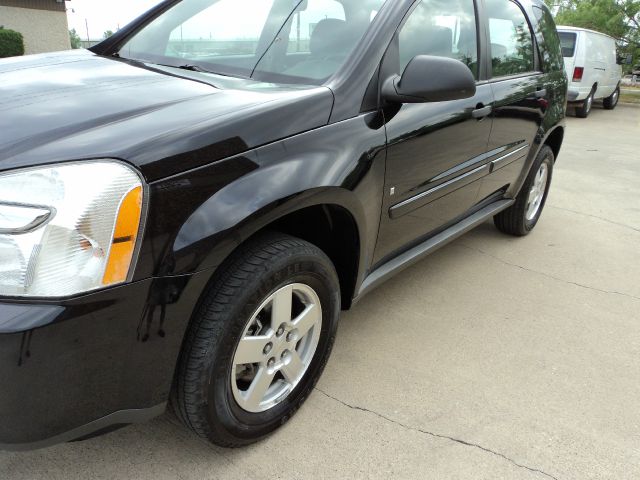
column 521, row 218
column 584, row 109
column 258, row 342
column 610, row 102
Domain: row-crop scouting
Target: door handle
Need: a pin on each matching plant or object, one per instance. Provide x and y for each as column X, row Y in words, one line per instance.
column 481, row 111
column 541, row 93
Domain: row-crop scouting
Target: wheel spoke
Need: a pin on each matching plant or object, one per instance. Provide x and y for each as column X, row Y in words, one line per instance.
column 261, row 383
column 294, row 369
column 281, row 307
column 251, row 350
column 307, row 320
column 267, row 366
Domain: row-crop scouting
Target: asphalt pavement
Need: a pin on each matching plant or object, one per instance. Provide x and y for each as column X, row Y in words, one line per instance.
column 494, row 358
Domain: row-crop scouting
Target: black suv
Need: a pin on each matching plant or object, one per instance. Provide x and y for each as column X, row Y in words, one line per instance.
column 186, row 209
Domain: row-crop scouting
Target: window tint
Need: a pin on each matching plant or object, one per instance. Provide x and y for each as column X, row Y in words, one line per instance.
column 568, row 43
column 548, row 40
column 444, row 28
column 511, row 39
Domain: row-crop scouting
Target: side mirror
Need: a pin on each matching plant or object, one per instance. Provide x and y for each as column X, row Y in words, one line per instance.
column 625, row 59
column 430, row 79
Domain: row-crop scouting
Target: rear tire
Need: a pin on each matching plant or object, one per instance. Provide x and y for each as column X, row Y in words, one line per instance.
column 611, row 101
column 259, row 341
column 584, row 109
column 521, row 218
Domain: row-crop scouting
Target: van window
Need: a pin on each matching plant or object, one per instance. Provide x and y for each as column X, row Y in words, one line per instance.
column 511, row 39
column 568, row 43
column 443, row 28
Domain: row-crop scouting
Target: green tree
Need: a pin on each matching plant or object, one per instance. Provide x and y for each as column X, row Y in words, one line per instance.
column 618, row 18
column 107, row 34
column 11, row 43
column 76, row 42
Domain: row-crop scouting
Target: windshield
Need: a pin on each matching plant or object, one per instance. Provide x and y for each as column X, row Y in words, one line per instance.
column 287, row 41
column 568, row 43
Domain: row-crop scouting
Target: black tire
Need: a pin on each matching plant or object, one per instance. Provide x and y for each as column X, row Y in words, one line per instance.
column 611, row 101
column 584, row 109
column 513, row 220
column 202, row 396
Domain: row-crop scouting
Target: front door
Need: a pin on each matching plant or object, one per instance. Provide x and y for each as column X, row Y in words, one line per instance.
column 436, row 151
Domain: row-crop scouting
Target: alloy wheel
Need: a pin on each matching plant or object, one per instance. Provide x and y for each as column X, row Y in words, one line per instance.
column 536, row 194
column 277, row 347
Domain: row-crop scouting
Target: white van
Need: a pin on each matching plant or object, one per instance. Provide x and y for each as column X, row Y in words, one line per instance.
column 591, row 63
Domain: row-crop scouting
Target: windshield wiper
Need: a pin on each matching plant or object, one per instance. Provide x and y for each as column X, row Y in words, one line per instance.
column 190, row 67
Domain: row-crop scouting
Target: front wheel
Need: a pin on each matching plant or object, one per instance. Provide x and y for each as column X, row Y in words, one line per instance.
column 521, row 218
column 611, row 101
column 259, row 342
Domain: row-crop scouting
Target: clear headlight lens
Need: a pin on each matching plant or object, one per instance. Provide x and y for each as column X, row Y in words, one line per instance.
column 69, row 228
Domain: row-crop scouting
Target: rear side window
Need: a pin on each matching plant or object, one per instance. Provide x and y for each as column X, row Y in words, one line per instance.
column 511, row 39
column 568, row 43
column 443, row 28
column 548, row 40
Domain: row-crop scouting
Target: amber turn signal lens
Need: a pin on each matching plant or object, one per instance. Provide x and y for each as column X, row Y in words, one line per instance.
column 124, row 238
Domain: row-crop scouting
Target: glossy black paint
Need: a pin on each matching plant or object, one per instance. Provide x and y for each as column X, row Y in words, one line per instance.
column 65, row 364
column 225, row 158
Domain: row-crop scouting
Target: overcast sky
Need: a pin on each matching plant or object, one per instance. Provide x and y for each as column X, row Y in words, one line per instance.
column 104, row 15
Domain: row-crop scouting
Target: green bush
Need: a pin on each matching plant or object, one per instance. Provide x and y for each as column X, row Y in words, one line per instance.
column 11, row 43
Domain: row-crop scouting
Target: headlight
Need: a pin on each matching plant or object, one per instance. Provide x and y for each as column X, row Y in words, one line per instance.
column 69, row 228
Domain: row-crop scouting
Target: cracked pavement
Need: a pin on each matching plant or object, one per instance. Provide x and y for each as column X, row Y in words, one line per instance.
column 495, row 358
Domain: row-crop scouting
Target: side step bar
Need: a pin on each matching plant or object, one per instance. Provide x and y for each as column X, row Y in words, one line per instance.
column 408, row 258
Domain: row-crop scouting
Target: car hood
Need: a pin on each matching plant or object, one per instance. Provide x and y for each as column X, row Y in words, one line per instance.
column 77, row 105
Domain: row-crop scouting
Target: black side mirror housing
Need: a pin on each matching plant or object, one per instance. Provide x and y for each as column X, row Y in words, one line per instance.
column 430, row 79
column 625, row 59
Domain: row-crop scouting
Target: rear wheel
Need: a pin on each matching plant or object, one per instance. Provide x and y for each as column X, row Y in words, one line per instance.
column 521, row 218
column 610, row 102
column 259, row 342
column 584, row 109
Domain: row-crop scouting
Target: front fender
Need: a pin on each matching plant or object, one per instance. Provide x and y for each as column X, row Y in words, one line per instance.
column 198, row 218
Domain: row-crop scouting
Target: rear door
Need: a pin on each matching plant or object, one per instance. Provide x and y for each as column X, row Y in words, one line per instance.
column 435, row 153
column 521, row 91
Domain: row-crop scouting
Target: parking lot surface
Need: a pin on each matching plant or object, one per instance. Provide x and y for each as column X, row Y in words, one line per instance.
column 493, row 358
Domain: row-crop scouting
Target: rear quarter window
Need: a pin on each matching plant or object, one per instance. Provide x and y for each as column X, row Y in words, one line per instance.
column 549, row 42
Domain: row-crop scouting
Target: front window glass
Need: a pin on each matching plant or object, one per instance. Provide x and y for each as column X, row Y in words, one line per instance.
column 511, row 39
column 297, row 41
column 443, row 28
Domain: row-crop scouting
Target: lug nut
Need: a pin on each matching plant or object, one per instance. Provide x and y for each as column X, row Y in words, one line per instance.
column 284, row 354
column 267, row 348
column 271, row 362
column 291, row 337
column 280, row 331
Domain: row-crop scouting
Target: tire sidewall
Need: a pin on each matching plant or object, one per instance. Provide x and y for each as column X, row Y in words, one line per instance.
column 224, row 414
column 545, row 156
column 588, row 104
column 612, row 101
